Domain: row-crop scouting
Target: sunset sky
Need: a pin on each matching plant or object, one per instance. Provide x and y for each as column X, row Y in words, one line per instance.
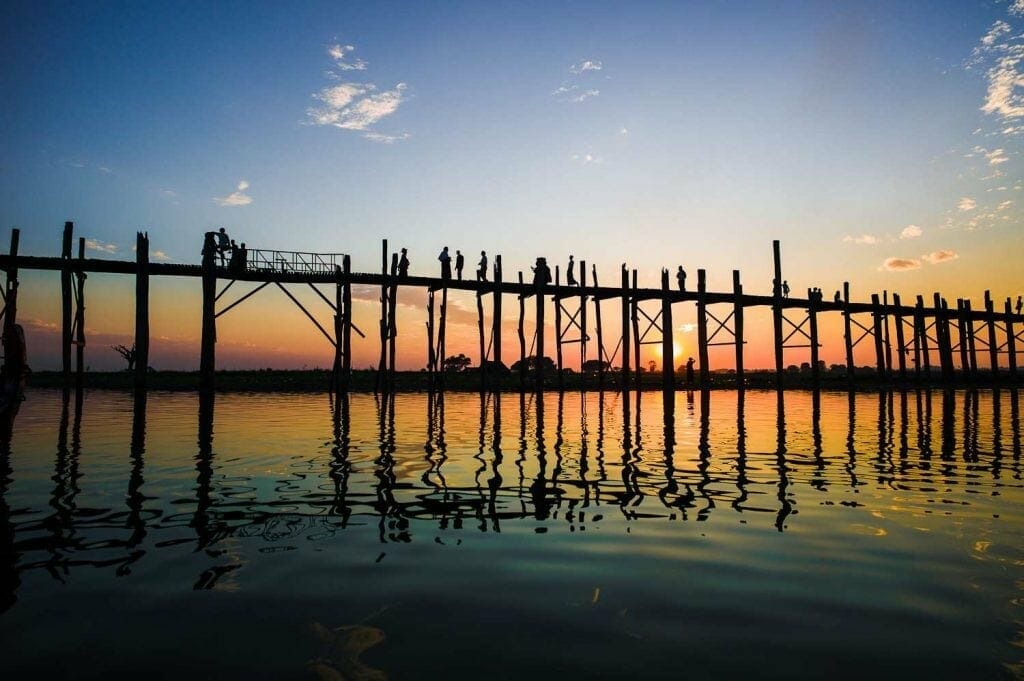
column 879, row 141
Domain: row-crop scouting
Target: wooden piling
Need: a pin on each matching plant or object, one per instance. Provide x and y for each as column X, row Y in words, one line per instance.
column 901, row 348
column 539, row 364
column 392, row 322
column 964, row 345
column 886, row 338
column 496, row 328
column 702, row 327
column 812, row 321
column 339, row 324
column 11, row 287
column 668, row 368
column 777, row 311
column 1011, row 341
column 378, row 379
column 207, row 357
column 558, row 328
column 431, row 353
column 483, row 349
column 737, row 316
column 583, row 314
column 441, row 337
column 942, row 337
column 635, row 316
column 346, row 327
column 65, row 304
column 80, row 317
column 993, row 344
column 921, row 321
column 141, row 310
column 876, row 318
column 625, row 329
column 600, row 333
column 972, row 350
column 522, row 337
column 848, row 334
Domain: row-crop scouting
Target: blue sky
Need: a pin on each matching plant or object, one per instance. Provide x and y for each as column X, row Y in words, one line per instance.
column 653, row 133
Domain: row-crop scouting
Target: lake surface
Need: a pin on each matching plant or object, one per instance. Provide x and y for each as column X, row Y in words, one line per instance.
column 287, row 536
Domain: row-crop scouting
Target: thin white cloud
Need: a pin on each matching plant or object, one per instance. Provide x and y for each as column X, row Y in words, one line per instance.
column 356, row 106
column 104, row 169
column 623, row 131
column 168, row 193
column 586, row 65
column 966, row 204
column 101, row 246
column 237, row 197
column 901, row 264
column 1017, row 8
column 586, row 158
column 339, row 53
column 911, row 232
column 863, row 239
column 996, row 157
column 938, row 257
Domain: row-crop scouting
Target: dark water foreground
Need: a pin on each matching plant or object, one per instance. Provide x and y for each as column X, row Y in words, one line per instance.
column 283, row 536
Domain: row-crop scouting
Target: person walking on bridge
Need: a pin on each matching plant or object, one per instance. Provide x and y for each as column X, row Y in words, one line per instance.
column 446, row 263
column 460, row 262
column 570, row 272
column 481, row 268
column 403, row 265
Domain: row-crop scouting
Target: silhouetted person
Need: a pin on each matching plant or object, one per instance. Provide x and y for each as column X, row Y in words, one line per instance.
column 689, row 370
column 223, row 244
column 681, row 278
column 839, row 296
column 1020, row 304
column 785, row 289
column 541, row 272
column 446, row 263
column 481, row 267
column 460, row 262
column 403, row 265
column 570, row 273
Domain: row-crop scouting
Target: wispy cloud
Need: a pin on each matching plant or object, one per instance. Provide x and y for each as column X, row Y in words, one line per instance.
column 585, row 65
column 237, row 197
column 586, row 158
column 996, row 157
column 966, row 204
column 1001, row 53
column 159, row 255
column 101, row 246
column 911, row 232
column 901, row 264
column 863, row 239
column 575, row 88
column 1017, row 8
column 938, row 257
column 356, row 106
column 339, row 53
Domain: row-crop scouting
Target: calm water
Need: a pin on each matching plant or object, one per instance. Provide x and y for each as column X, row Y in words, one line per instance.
column 577, row 537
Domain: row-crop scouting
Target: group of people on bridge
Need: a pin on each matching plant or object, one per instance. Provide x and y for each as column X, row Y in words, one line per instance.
column 232, row 255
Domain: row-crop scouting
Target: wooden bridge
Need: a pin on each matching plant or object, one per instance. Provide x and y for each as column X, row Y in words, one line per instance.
column 930, row 335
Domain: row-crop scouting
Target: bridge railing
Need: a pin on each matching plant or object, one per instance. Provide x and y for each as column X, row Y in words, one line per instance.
column 291, row 262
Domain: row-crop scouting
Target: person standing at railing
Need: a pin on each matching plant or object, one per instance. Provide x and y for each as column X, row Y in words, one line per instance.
column 446, row 263
column 460, row 262
column 223, row 244
column 403, row 265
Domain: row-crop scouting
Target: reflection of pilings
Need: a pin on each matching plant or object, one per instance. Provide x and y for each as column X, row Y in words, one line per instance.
column 741, row 453
column 494, row 482
column 948, row 448
column 818, row 481
column 704, row 456
column 9, row 579
column 785, row 503
column 539, row 487
column 392, row 525
column 340, row 468
column 136, row 498
column 851, row 440
column 204, row 471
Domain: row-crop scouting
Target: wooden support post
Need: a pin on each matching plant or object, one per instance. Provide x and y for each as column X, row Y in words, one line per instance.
column 993, row 344
column 441, row 336
column 522, row 336
column 942, row 337
column 848, row 334
column 583, row 315
column 539, row 364
column 339, row 332
column 11, row 296
column 886, row 338
column 638, row 374
column 876, row 314
column 901, row 346
column 558, row 328
column 80, row 317
column 141, row 310
column 65, row 304
column 483, row 347
column 812, row 321
column 626, row 332
column 968, row 320
column 921, row 322
column 496, row 322
column 702, row 327
column 737, row 316
column 378, row 380
column 777, row 312
column 961, row 330
column 207, row 356
column 346, row 341
column 431, row 354
column 600, row 333
column 392, row 322
column 1011, row 341
column 668, row 368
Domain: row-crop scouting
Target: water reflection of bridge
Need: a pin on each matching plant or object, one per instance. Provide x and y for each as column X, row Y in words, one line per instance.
column 921, row 439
